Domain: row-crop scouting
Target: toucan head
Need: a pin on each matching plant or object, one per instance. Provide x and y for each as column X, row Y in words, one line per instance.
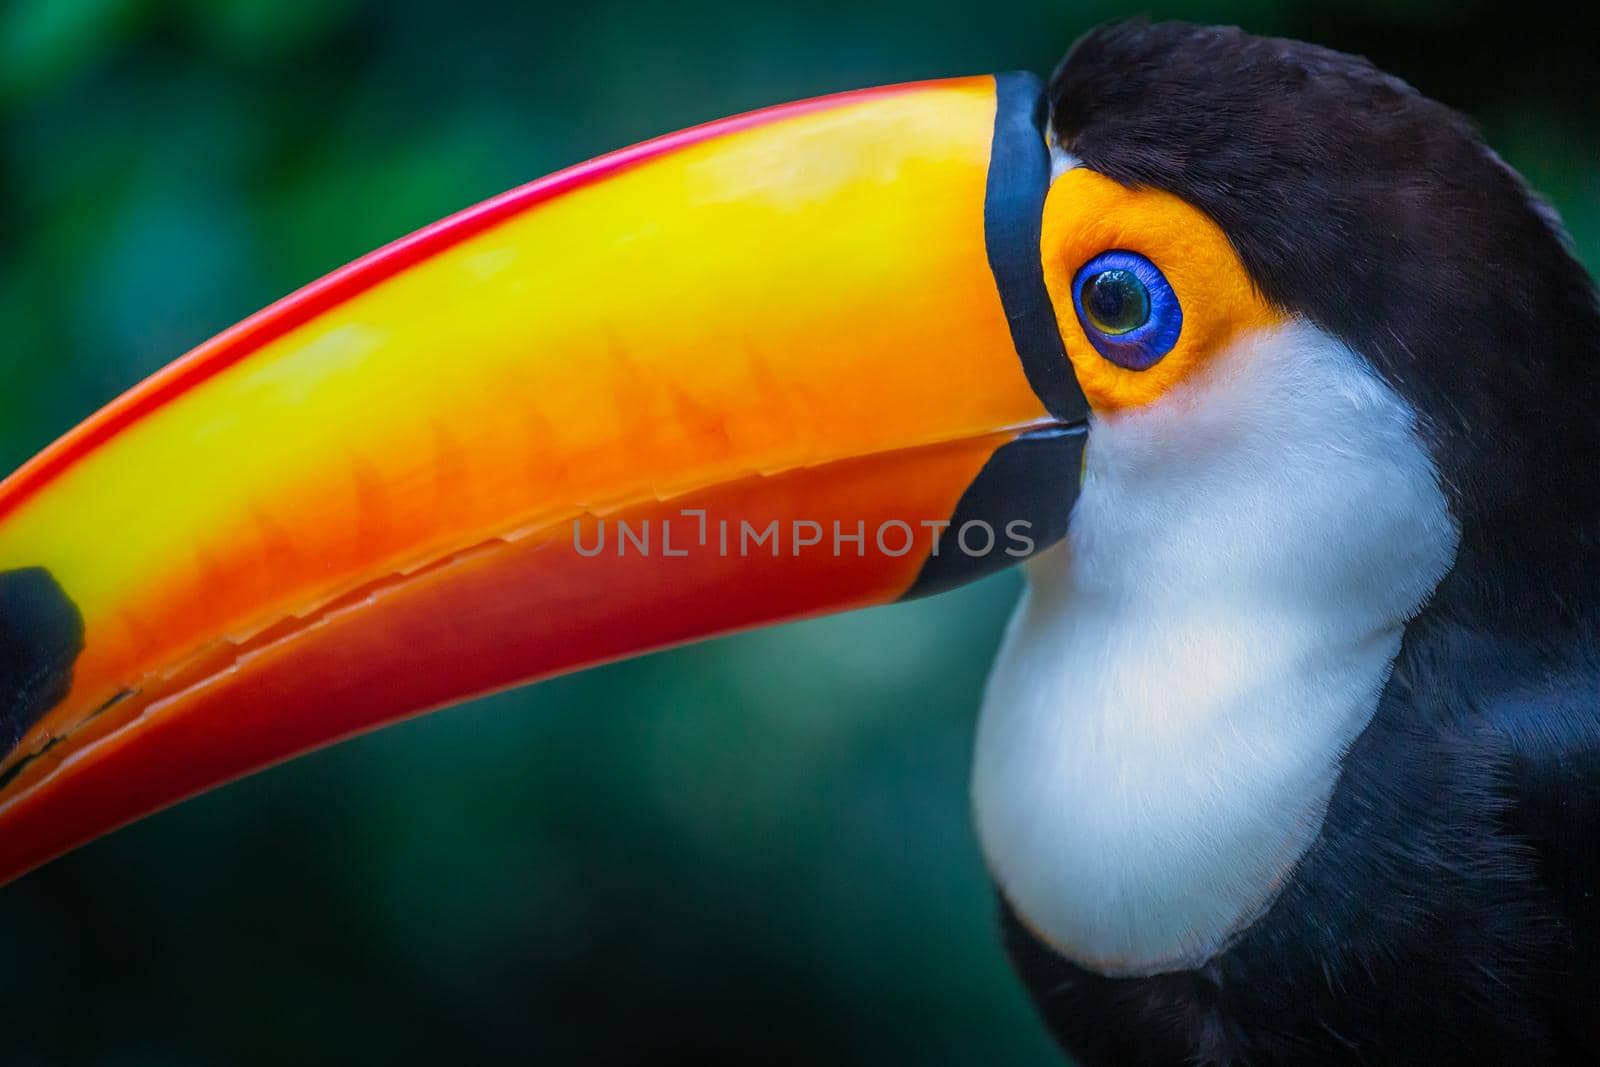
column 1249, row 314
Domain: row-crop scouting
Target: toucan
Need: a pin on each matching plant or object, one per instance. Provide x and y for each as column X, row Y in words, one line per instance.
column 1285, row 387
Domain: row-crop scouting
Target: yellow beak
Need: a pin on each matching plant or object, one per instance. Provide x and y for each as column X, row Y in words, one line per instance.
column 792, row 362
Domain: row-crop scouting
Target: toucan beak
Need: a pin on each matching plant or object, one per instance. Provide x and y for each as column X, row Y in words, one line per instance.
column 793, row 362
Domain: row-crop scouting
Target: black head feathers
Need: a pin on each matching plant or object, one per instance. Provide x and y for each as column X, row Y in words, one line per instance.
column 1381, row 216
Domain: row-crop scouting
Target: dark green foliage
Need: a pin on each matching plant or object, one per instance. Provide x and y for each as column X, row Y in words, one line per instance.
column 760, row 844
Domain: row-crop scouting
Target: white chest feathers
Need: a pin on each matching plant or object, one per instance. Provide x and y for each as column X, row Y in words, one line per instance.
column 1166, row 720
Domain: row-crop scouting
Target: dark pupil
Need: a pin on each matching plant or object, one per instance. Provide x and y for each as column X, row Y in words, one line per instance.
column 1116, row 301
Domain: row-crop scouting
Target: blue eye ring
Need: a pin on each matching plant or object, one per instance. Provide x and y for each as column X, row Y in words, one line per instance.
column 1144, row 345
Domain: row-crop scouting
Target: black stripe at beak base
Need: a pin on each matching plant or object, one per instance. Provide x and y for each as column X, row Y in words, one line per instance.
column 1013, row 213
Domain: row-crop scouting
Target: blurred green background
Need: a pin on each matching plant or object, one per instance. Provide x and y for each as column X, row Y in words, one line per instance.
column 759, row 845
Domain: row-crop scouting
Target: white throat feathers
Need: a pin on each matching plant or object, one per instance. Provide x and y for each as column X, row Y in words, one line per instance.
column 1179, row 684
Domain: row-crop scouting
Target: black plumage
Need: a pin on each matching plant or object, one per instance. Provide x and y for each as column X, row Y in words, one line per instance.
column 1448, row 911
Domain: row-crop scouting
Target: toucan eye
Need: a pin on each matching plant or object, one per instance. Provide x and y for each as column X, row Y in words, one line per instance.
column 1116, row 301
column 1128, row 310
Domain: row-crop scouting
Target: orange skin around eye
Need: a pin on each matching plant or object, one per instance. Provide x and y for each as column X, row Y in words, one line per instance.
column 1087, row 213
